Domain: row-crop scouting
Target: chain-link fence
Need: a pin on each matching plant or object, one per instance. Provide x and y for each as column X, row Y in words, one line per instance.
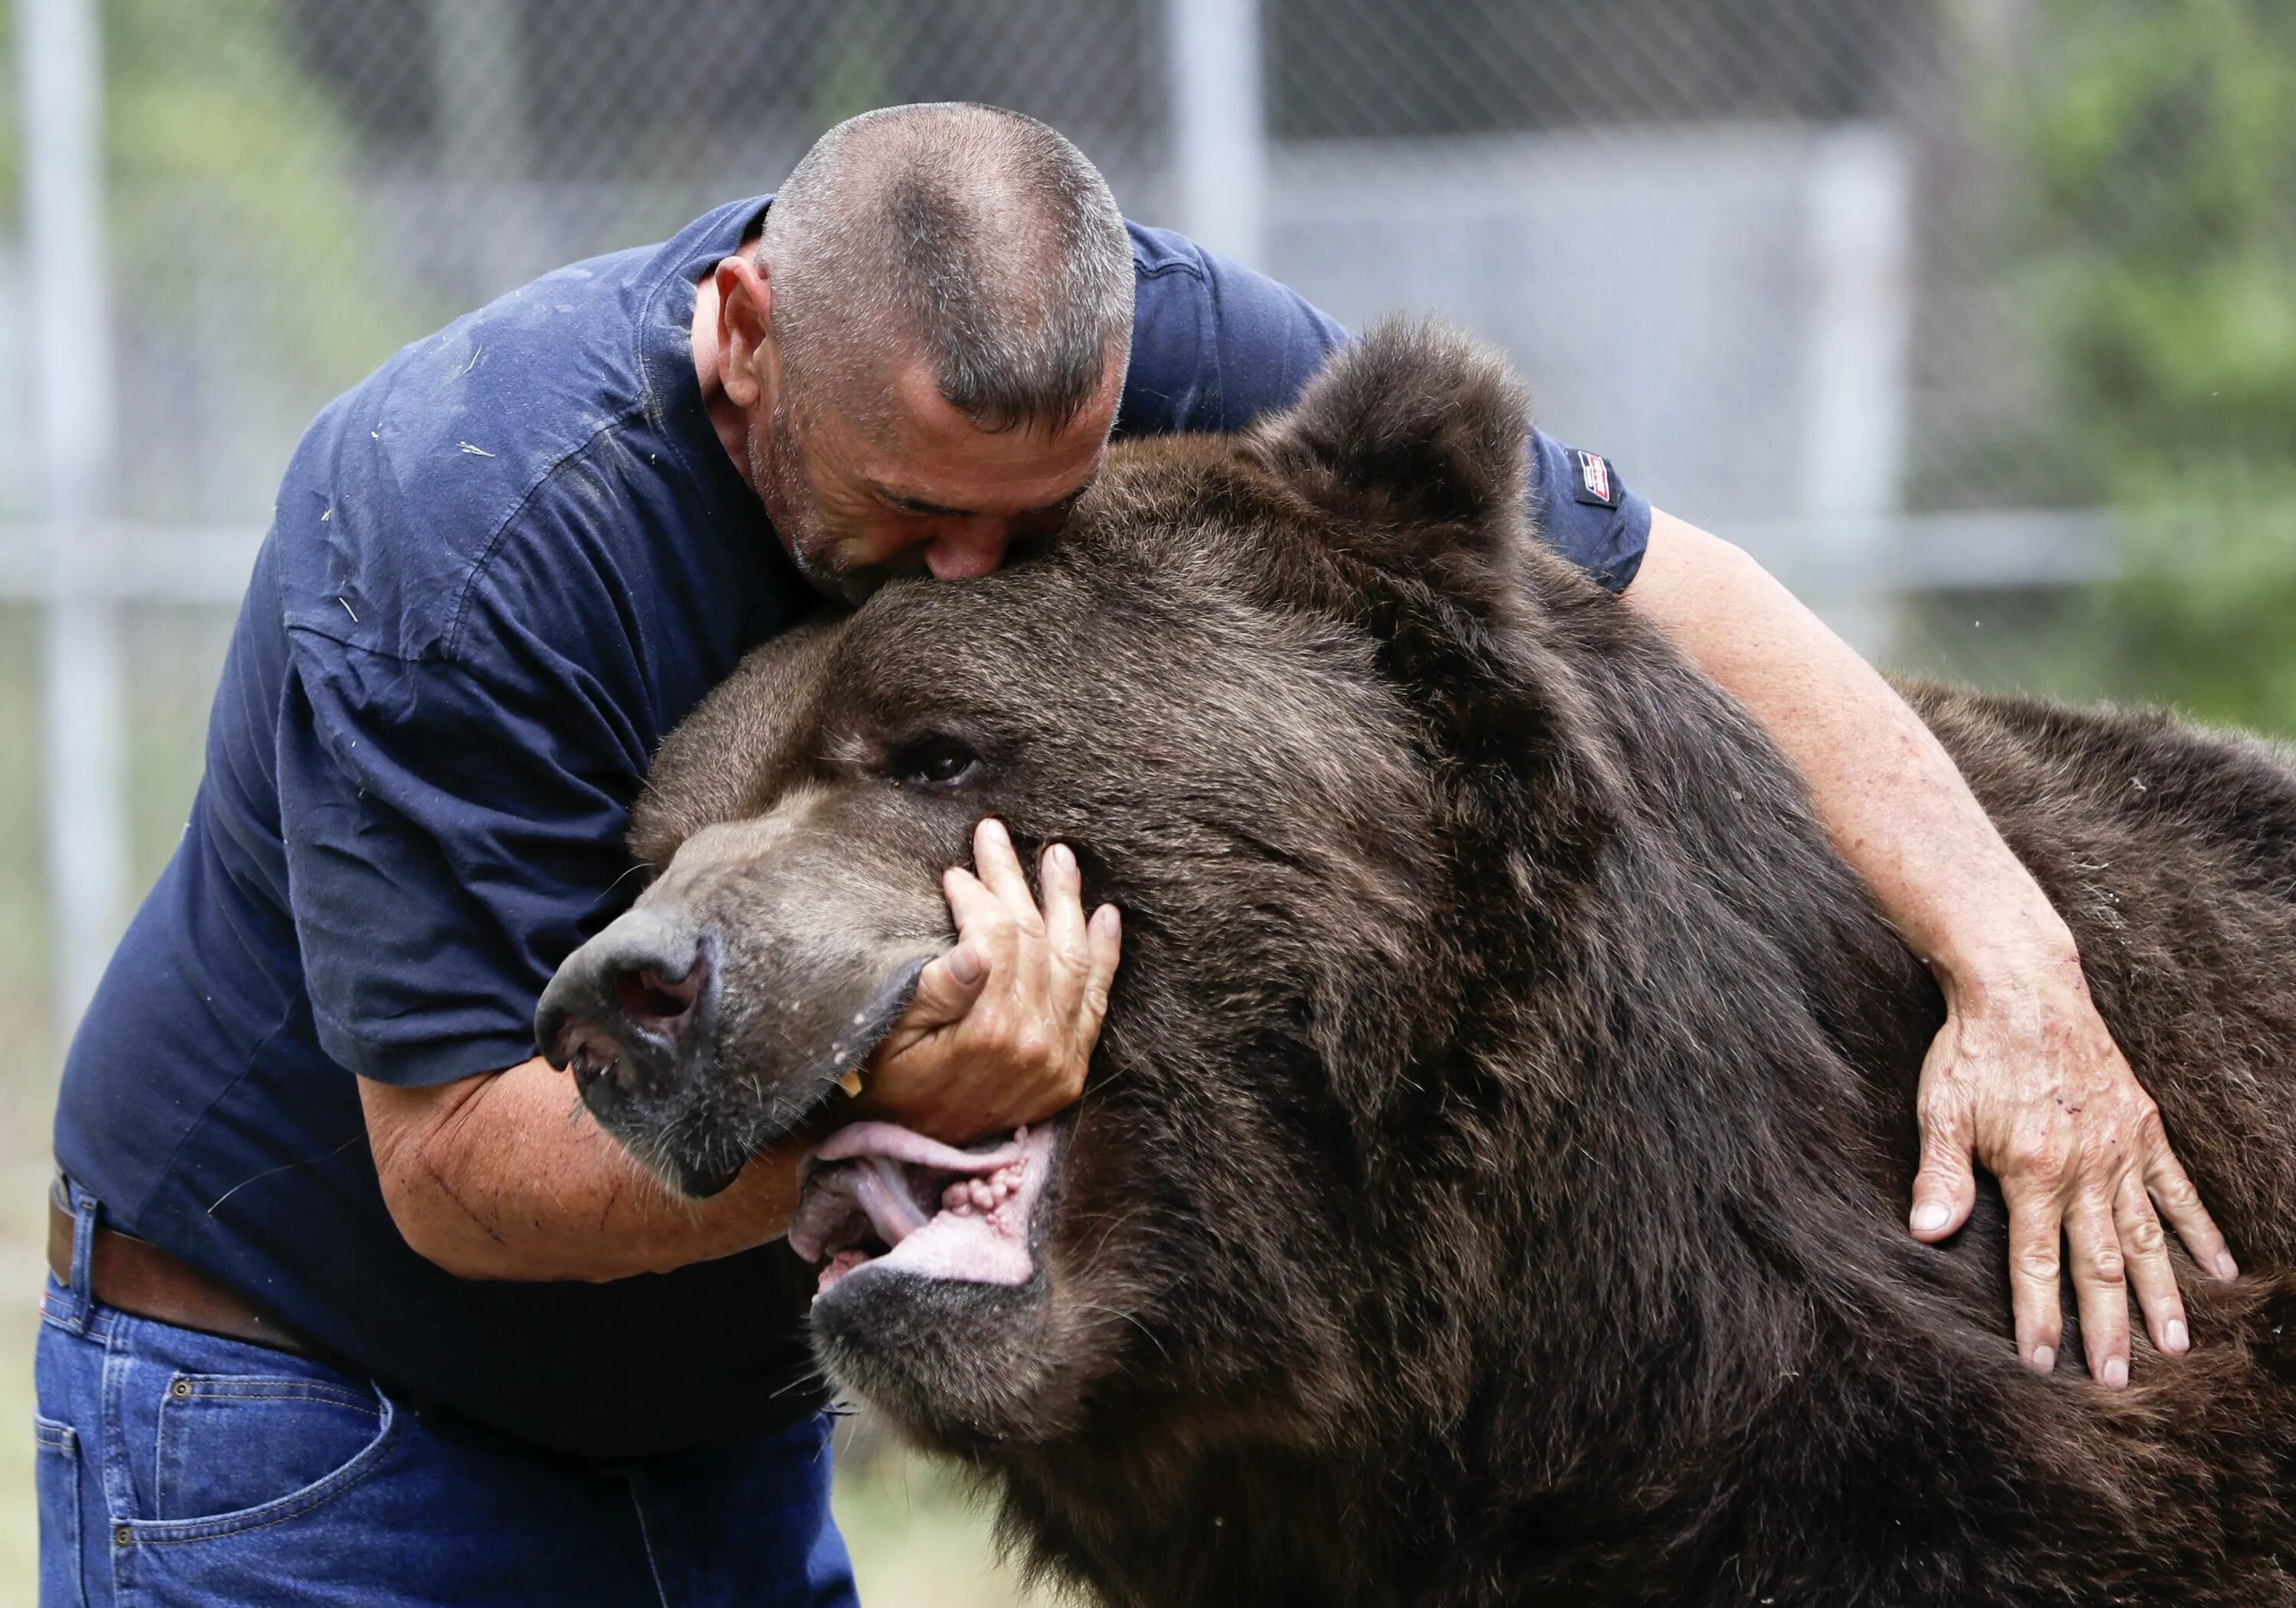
column 1762, row 251
column 1683, row 215
column 1902, row 293
column 1769, row 254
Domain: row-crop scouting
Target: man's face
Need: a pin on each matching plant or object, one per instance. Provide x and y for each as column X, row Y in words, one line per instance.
column 914, row 487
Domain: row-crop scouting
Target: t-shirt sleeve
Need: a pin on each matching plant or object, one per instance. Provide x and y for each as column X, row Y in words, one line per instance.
column 1585, row 512
column 452, row 833
column 1216, row 345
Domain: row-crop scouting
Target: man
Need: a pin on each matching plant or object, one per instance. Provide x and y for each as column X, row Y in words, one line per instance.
column 408, row 1324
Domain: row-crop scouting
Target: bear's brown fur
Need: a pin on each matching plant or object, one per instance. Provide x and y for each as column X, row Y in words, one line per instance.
column 1491, row 1184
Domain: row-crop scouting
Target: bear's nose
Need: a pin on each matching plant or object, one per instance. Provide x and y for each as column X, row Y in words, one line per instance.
column 622, row 1004
column 655, row 1001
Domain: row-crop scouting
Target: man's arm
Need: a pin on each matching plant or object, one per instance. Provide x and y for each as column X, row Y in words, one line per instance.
column 2025, row 1074
column 505, row 1176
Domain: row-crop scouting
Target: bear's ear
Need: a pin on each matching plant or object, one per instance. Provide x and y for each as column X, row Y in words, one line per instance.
column 1414, row 439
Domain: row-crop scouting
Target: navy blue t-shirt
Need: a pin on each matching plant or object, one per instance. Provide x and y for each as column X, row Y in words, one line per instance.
column 501, row 570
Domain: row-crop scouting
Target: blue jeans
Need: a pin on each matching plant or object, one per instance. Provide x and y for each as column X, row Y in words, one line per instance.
column 178, row 1469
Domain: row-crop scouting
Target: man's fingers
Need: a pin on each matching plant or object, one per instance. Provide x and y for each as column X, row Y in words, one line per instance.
column 2144, row 1243
column 1106, row 935
column 1063, row 885
column 2101, row 1286
column 946, row 988
column 2035, row 1230
column 979, row 912
column 2179, row 1204
column 1945, row 1188
column 984, row 923
column 999, row 868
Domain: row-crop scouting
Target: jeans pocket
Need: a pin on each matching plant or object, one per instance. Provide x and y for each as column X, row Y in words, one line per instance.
column 228, row 1442
column 57, row 1477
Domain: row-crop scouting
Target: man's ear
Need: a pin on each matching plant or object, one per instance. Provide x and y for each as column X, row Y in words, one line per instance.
column 1414, row 439
column 748, row 363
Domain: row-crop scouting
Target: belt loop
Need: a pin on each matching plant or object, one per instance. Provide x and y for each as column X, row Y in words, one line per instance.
column 82, row 1292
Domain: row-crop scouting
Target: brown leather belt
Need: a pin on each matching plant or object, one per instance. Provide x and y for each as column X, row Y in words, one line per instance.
column 137, row 1277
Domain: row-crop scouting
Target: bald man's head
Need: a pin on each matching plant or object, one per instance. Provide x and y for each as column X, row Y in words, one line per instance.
column 975, row 239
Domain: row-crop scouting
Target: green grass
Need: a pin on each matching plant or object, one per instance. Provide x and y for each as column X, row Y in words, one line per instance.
column 916, row 1537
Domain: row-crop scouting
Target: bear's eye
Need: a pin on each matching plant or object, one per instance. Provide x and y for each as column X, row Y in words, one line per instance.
column 936, row 761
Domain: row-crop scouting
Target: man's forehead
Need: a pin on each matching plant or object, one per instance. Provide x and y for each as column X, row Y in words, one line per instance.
column 927, row 452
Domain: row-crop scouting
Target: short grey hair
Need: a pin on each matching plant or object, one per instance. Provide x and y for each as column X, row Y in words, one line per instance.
column 976, row 235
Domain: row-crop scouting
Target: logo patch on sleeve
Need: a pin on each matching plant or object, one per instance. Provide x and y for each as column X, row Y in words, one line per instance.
column 1596, row 484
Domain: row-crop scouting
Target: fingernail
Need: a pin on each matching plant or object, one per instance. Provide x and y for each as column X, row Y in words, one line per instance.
column 1929, row 1217
column 967, row 967
column 2044, row 1359
column 2175, row 1337
column 1063, row 858
column 990, row 827
column 2226, row 1268
column 2116, row 1372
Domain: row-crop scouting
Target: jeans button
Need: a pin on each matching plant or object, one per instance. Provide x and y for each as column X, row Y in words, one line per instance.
column 123, row 1537
column 181, row 1389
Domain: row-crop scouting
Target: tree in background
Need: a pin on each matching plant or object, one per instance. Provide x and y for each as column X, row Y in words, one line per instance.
column 213, row 127
column 2162, row 142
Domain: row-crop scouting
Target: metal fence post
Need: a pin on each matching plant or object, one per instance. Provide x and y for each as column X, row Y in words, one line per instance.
column 1860, row 329
column 1219, row 125
column 60, row 61
column 478, row 61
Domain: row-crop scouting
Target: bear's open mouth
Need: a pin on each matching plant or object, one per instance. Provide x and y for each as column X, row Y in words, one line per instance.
column 879, row 1194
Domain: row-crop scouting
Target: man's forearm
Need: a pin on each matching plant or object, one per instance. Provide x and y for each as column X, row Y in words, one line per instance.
column 507, row 1177
column 1887, row 792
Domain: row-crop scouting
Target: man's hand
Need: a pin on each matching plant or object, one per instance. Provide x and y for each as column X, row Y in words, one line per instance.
column 1003, row 1026
column 2026, row 1077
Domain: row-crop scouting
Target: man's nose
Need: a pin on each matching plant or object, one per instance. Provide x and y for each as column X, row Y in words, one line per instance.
column 963, row 553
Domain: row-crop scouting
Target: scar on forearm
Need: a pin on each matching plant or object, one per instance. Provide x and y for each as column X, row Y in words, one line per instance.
column 440, row 1181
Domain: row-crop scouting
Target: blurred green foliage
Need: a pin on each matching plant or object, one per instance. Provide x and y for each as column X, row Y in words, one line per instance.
column 10, row 117
column 249, row 150
column 2161, row 142
column 245, row 155
column 853, row 63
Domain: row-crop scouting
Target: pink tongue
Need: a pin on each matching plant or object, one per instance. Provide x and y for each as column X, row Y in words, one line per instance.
column 891, row 1140
column 883, row 1191
column 878, row 1183
column 980, row 1232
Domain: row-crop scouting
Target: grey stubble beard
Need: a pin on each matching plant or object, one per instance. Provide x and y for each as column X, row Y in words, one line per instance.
column 777, row 472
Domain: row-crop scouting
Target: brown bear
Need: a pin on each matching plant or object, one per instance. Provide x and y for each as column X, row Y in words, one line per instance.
column 1490, row 1185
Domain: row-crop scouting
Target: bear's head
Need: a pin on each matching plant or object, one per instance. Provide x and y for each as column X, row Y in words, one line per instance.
column 1294, row 699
